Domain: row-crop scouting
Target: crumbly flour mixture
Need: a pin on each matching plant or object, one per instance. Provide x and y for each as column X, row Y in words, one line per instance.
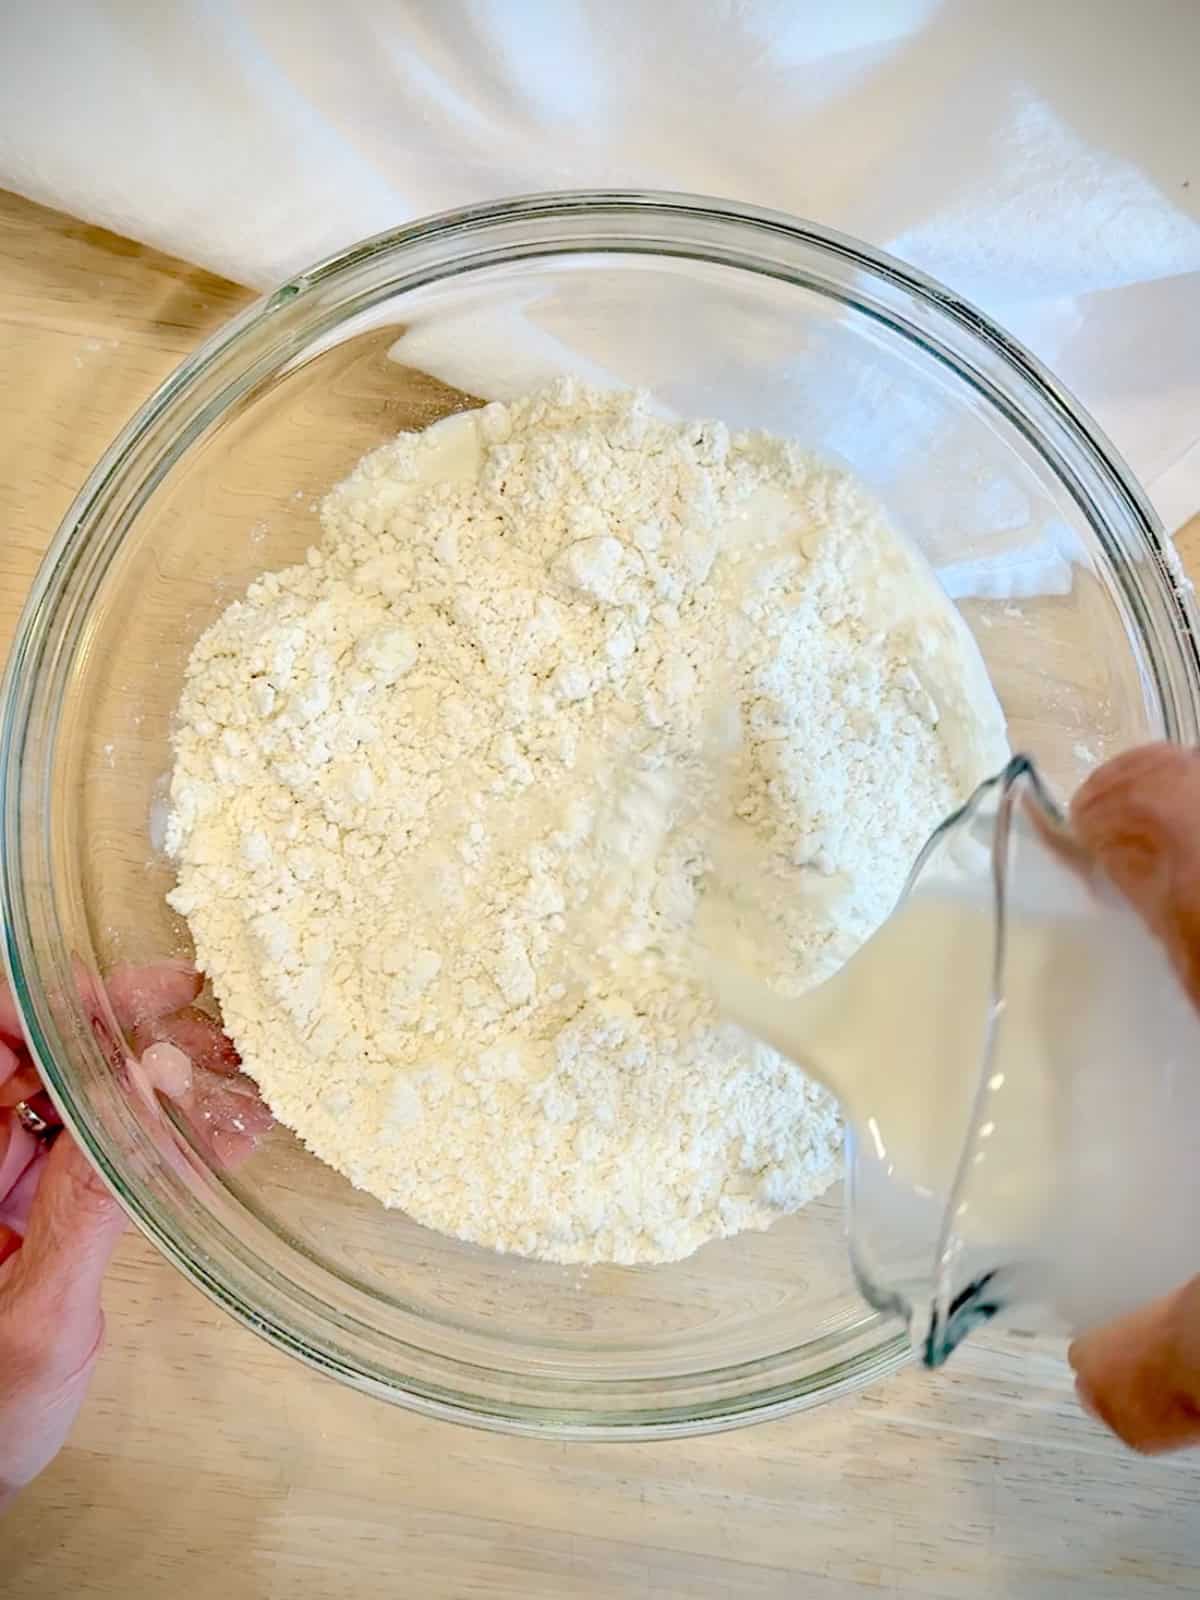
column 567, row 696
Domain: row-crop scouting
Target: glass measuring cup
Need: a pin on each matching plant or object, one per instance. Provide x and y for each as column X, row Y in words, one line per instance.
column 1076, row 1189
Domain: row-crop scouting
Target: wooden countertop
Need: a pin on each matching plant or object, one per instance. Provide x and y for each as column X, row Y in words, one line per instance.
column 206, row 1463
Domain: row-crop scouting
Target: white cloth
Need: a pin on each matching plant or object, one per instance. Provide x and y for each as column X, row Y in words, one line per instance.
column 1043, row 160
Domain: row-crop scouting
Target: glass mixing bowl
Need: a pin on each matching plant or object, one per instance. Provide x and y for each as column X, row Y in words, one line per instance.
column 1035, row 525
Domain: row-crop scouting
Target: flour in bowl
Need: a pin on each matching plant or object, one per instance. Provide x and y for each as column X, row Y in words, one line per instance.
column 565, row 694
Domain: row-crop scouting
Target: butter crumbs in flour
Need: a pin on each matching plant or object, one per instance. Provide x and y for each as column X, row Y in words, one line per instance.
column 566, row 692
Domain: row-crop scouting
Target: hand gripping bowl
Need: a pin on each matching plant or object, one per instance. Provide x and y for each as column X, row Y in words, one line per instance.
column 1060, row 569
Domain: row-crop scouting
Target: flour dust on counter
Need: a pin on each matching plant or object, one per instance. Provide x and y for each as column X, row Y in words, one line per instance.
column 565, row 693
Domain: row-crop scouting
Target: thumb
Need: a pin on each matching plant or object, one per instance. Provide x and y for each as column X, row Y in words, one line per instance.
column 1141, row 1374
column 50, row 1318
column 56, row 1276
column 1139, row 816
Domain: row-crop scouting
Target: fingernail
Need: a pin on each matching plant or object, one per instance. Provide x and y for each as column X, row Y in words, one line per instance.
column 17, row 1150
column 169, row 1070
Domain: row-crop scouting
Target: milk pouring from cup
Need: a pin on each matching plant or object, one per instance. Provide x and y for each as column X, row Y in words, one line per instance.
column 1020, row 1072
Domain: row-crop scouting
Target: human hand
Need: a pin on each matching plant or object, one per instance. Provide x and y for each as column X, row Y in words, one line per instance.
column 1139, row 816
column 58, row 1223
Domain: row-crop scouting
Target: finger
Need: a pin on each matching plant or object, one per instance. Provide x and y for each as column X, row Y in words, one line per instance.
column 18, row 1202
column 140, row 994
column 18, row 1148
column 1139, row 1375
column 200, row 1037
column 48, row 1345
column 10, row 1062
column 10, row 1023
column 1138, row 816
column 137, row 994
column 228, row 1117
column 21, row 1084
column 74, row 1225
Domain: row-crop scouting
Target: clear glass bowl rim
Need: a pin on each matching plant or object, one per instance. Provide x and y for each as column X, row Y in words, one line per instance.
column 282, row 326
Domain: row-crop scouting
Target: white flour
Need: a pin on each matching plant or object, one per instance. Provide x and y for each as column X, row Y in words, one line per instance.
column 565, row 692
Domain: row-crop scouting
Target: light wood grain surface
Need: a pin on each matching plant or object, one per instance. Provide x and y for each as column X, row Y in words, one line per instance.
column 207, row 1464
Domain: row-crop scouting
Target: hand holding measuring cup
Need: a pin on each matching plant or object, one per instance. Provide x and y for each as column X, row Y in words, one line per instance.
column 1139, row 816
